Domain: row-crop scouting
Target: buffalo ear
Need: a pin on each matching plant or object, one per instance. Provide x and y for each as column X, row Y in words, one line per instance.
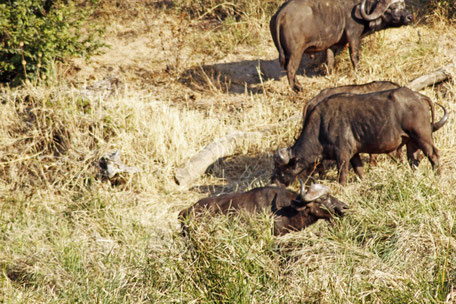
column 298, row 203
column 375, row 23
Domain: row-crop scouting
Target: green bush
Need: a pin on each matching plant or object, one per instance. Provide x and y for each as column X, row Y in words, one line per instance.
column 36, row 33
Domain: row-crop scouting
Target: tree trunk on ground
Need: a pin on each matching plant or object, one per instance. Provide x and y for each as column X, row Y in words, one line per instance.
column 432, row 78
column 222, row 147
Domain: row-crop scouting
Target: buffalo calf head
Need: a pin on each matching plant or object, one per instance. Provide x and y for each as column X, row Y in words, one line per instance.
column 320, row 202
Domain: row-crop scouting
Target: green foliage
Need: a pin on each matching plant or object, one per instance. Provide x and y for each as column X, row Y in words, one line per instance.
column 35, row 33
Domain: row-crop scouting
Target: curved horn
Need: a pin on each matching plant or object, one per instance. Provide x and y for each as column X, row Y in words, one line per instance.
column 380, row 8
column 301, row 193
column 315, row 191
column 442, row 121
column 283, row 155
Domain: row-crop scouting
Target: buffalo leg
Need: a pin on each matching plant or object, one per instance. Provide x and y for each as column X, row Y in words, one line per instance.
column 412, row 151
column 357, row 165
column 398, row 153
column 292, row 67
column 354, row 51
column 342, row 166
column 330, row 60
column 431, row 153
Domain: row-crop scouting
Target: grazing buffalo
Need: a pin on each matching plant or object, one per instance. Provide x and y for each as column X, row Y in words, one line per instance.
column 375, row 86
column 309, row 26
column 344, row 125
column 293, row 211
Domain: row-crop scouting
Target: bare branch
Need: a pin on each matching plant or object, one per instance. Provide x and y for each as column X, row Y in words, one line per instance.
column 432, row 78
column 221, row 147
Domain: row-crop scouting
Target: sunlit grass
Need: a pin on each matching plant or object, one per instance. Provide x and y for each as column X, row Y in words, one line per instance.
column 68, row 236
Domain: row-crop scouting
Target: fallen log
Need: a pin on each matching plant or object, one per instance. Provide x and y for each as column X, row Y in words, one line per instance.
column 221, row 147
column 432, row 78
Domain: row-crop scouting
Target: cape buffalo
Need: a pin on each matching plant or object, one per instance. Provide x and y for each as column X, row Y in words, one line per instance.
column 309, row 26
column 293, row 211
column 375, row 86
column 344, row 125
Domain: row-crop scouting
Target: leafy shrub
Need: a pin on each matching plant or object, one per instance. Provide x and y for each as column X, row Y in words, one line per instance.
column 35, row 33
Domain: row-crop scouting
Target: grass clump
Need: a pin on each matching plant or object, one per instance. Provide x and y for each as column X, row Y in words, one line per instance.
column 229, row 24
column 229, row 260
column 221, row 10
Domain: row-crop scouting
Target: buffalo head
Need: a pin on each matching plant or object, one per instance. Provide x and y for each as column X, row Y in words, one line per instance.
column 386, row 12
column 309, row 207
column 319, row 200
column 287, row 166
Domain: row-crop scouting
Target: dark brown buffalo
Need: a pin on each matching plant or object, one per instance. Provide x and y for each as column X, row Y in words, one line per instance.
column 309, row 26
column 375, row 86
column 293, row 211
column 344, row 125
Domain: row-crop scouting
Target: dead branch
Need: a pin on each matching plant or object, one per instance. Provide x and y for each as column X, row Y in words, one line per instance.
column 432, row 78
column 221, row 147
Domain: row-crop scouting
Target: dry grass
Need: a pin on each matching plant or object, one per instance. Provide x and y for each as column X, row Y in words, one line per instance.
column 68, row 236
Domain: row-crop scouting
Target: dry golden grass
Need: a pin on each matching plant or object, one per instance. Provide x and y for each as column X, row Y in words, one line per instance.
column 68, row 236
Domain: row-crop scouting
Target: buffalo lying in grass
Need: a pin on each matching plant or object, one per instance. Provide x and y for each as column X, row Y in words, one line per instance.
column 292, row 211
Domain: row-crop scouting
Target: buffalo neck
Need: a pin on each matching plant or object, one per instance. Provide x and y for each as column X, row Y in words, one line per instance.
column 302, row 220
column 307, row 148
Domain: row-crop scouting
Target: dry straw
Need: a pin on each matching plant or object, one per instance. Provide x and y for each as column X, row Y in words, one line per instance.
column 67, row 236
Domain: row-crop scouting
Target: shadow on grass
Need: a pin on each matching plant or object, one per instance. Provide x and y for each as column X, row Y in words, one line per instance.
column 237, row 77
column 243, row 172
column 238, row 174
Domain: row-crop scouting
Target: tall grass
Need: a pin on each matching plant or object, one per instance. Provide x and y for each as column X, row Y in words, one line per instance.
column 68, row 236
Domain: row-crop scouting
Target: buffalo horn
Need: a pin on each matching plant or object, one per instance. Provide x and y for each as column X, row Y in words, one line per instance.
column 380, row 8
column 301, row 193
column 315, row 191
column 283, row 155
